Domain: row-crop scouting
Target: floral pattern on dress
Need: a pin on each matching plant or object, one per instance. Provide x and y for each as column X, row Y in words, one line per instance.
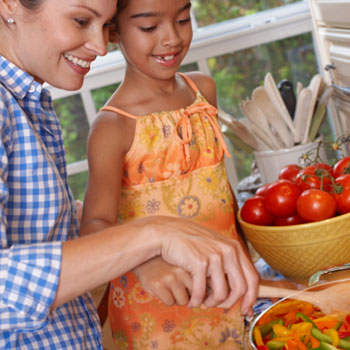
column 189, row 207
column 118, row 297
column 140, row 295
column 150, row 137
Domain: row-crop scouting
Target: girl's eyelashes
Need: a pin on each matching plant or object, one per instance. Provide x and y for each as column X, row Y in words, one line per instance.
column 184, row 21
column 148, row 29
column 152, row 28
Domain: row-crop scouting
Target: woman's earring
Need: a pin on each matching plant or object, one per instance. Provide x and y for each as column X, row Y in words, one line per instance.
column 10, row 21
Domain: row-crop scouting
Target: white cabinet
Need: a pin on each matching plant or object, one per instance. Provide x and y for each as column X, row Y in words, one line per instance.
column 331, row 23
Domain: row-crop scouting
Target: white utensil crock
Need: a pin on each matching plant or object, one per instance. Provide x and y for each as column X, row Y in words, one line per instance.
column 271, row 162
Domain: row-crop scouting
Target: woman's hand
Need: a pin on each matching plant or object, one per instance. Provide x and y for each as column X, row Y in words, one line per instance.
column 206, row 254
column 169, row 283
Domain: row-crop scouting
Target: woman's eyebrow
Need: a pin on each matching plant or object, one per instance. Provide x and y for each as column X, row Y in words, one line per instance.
column 153, row 14
column 97, row 14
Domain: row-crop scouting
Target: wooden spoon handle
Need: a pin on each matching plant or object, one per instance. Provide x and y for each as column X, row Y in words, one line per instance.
column 275, row 292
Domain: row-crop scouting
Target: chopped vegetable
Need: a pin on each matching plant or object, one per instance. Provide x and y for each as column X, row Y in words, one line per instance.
column 297, row 325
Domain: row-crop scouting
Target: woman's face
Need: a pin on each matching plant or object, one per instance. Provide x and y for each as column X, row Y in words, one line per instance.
column 58, row 42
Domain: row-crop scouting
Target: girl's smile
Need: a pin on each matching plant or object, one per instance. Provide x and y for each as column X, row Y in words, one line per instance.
column 167, row 59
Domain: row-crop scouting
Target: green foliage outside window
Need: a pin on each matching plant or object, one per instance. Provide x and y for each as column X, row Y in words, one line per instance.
column 75, row 127
column 212, row 11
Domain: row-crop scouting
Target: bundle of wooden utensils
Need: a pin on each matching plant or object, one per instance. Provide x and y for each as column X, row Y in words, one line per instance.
column 279, row 118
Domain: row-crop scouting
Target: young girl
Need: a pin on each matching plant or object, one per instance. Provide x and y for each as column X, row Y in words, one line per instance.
column 156, row 149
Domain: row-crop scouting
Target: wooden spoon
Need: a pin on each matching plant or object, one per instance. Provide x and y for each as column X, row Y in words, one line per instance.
column 333, row 299
column 320, row 113
column 258, row 118
column 301, row 112
column 262, row 99
column 299, row 87
column 316, row 85
column 240, row 130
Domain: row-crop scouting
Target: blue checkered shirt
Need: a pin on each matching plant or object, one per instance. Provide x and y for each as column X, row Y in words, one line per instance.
column 37, row 213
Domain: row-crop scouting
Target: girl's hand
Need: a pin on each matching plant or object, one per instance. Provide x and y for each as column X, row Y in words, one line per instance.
column 169, row 283
column 207, row 254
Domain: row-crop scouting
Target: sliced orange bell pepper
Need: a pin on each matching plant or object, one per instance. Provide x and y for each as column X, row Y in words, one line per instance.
column 290, row 318
column 314, row 342
column 325, row 324
column 295, row 344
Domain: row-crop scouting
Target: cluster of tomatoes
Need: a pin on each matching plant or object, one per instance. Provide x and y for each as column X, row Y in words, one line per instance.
column 301, row 194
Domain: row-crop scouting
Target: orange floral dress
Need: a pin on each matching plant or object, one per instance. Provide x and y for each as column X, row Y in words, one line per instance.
column 175, row 167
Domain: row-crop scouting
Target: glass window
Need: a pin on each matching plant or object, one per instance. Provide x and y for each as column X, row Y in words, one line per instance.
column 77, row 184
column 75, row 127
column 188, row 67
column 212, row 11
column 101, row 95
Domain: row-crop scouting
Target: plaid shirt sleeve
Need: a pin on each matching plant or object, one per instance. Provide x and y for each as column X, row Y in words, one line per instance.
column 28, row 283
column 29, row 274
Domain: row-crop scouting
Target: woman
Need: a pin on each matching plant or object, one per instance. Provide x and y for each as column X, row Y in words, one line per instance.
column 45, row 270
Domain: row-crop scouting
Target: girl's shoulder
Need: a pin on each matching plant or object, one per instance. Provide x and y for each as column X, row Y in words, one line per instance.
column 112, row 130
column 205, row 84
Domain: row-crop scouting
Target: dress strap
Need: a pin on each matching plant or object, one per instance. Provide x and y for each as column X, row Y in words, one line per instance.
column 117, row 110
column 189, row 81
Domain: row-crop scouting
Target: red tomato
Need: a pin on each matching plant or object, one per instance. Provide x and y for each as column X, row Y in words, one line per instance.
column 343, row 201
column 261, row 191
column 290, row 220
column 343, row 181
column 289, row 172
column 342, row 166
column 317, row 176
column 316, row 205
column 255, row 212
column 342, row 193
column 281, row 198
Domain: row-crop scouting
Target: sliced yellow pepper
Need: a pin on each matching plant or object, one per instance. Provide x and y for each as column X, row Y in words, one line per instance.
column 281, row 330
column 334, row 335
column 258, row 337
column 323, row 318
column 285, row 338
column 302, row 327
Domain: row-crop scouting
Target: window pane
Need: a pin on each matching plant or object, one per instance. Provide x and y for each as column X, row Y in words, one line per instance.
column 188, row 67
column 75, row 127
column 237, row 74
column 78, row 184
column 101, row 95
column 214, row 11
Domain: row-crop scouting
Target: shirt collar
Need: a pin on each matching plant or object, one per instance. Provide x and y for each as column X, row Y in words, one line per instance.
column 17, row 81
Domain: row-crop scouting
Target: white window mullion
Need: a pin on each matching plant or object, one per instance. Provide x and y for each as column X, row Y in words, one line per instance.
column 89, row 106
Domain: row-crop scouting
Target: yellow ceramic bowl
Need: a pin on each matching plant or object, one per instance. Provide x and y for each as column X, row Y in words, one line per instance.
column 298, row 251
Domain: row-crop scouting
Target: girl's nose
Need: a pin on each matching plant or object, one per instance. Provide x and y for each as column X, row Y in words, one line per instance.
column 171, row 36
column 97, row 42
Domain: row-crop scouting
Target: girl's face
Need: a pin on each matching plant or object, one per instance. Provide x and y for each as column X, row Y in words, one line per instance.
column 58, row 42
column 155, row 35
